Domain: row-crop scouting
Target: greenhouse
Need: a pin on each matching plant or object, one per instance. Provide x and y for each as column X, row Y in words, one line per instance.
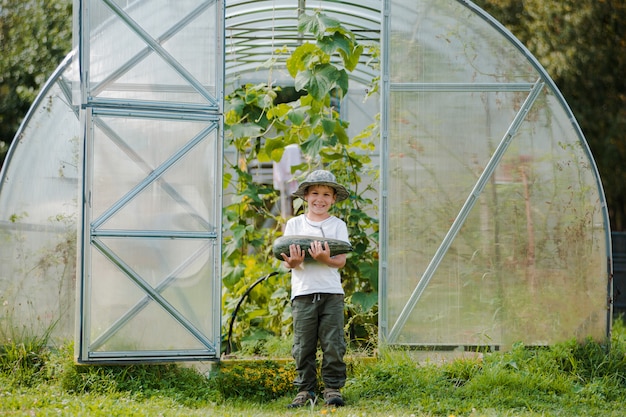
column 493, row 227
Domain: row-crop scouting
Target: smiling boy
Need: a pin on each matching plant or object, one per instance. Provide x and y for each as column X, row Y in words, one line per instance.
column 317, row 296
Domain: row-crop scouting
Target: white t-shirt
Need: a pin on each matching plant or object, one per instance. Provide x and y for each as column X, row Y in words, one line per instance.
column 315, row 277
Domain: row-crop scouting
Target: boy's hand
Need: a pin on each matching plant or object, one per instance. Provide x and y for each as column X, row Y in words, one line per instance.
column 295, row 258
column 320, row 251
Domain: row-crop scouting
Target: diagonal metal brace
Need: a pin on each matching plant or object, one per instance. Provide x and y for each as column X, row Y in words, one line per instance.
column 465, row 211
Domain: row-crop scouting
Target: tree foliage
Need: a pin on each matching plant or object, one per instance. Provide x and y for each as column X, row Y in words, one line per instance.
column 582, row 45
column 35, row 36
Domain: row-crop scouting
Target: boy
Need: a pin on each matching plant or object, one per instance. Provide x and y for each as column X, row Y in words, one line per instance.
column 316, row 291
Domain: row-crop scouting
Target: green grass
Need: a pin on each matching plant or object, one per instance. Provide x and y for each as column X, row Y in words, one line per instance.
column 569, row 379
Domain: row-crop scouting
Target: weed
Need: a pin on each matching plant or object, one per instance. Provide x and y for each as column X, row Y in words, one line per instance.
column 255, row 380
column 23, row 361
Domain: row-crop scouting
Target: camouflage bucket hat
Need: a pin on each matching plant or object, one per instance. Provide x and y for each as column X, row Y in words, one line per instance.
column 322, row 177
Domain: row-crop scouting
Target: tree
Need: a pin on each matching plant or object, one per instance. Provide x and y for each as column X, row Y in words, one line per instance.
column 582, row 45
column 35, row 36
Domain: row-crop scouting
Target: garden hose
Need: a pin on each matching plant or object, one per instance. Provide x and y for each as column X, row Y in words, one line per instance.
column 234, row 315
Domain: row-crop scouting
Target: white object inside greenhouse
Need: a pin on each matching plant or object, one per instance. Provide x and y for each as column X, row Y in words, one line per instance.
column 493, row 227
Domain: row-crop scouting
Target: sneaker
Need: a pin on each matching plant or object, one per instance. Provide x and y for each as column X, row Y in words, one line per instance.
column 302, row 398
column 332, row 396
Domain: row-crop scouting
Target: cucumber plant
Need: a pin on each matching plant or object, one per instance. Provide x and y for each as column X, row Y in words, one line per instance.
column 260, row 122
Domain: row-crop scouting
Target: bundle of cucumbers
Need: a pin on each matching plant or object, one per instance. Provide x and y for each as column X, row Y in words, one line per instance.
column 281, row 245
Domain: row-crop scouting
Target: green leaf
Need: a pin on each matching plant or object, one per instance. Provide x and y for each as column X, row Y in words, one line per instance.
column 302, row 80
column 235, row 104
column 328, row 126
column 234, row 275
column 274, row 144
column 341, row 134
column 251, row 96
column 232, row 117
column 239, row 231
column 365, row 300
column 318, row 82
column 337, row 41
column 297, row 204
column 278, row 111
column 308, row 24
column 226, row 179
column 331, row 156
column 370, row 271
column 263, row 156
column 256, row 313
column 312, row 145
column 342, row 81
column 277, row 154
column 246, row 130
column 318, row 24
column 297, row 117
column 353, row 59
column 252, row 192
column 301, row 56
column 328, row 23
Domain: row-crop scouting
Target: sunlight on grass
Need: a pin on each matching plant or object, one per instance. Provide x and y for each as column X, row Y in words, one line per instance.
column 568, row 379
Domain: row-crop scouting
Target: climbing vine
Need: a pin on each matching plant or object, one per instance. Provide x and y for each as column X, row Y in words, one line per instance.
column 260, row 122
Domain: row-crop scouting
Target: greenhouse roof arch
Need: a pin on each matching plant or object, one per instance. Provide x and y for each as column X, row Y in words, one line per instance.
column 256, row 30
column 493, row 222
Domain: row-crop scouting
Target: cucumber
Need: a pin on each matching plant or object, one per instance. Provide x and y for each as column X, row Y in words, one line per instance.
column 281, row 245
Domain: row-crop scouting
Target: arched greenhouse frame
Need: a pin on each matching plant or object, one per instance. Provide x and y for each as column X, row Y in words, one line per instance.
column 493, row 224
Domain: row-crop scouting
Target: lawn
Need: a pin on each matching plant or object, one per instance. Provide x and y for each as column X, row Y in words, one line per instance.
column 568, row 379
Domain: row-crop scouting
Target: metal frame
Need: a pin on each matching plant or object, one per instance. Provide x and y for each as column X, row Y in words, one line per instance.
column 94, row 229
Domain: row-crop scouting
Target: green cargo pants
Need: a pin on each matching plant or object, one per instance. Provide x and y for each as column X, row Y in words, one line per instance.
column 319, row 317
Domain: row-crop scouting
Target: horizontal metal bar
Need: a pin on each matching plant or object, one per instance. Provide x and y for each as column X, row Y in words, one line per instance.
column 125, row 112
column 101, row 105
column 461, row 87
column 155, row 234
column 148, row 88
column 195, row 354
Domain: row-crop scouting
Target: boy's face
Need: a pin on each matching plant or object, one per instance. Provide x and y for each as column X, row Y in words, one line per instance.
column 320, row 198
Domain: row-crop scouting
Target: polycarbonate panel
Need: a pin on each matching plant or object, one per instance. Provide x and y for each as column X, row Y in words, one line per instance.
column 154, row 51
column 153, row 287
column 129, row 319
column 181, row 199
column 444, row 42
column 496, row 231
column 150, row 281
column 38, row 207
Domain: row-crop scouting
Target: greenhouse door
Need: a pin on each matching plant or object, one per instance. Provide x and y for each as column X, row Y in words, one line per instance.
column 150, row 92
